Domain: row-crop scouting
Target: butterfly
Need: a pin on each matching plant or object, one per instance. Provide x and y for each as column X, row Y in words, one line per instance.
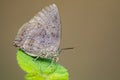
column 40, row 36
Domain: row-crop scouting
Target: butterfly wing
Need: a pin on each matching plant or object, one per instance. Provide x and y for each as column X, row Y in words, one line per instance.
column 41, row 34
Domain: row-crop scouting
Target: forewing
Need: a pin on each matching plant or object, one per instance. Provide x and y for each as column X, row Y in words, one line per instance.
column 41, row 33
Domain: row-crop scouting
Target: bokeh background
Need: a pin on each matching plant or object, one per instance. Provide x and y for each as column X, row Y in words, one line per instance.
column 91, row 26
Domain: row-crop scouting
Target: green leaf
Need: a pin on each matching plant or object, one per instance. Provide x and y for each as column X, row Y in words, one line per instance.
column 41, row 69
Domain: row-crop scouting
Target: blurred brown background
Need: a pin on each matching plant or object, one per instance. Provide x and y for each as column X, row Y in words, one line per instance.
column 91, row 26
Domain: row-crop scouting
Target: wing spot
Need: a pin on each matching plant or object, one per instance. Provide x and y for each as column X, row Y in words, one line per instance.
column 53, row 35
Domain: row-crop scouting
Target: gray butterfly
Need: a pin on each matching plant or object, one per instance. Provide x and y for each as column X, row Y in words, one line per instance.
column 40, row 37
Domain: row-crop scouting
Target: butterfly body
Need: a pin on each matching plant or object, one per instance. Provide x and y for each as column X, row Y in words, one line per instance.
column 40, row 37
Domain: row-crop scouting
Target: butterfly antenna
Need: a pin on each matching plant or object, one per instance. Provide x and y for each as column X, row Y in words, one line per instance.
column 67, row 48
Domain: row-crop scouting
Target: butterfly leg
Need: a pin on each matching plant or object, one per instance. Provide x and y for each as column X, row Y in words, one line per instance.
column 53, row 63
column 36, row 58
